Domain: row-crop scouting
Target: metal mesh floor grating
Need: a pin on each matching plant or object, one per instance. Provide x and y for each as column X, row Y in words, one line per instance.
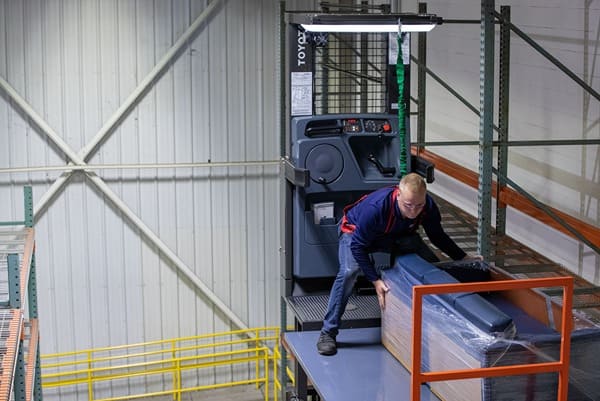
column 3, row 278
column 362, row 311
column 11, row 241
column 10, row 324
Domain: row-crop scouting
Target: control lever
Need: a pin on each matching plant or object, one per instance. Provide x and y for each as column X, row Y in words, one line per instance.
column 383, row 170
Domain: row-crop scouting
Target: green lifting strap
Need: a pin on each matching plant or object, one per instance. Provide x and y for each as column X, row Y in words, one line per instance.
column 401, row 110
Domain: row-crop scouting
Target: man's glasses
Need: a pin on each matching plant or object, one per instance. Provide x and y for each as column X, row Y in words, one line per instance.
column 411, row 206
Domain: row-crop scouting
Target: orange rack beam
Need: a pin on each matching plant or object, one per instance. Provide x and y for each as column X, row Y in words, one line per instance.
column 510, row 197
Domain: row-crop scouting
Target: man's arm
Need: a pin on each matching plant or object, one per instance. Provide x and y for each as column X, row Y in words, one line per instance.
column 432, row 224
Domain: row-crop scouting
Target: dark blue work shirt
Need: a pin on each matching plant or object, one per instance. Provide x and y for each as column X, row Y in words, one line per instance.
column 376, row 222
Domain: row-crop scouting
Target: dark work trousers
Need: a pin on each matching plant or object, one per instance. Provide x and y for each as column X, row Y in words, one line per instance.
column 349, row 270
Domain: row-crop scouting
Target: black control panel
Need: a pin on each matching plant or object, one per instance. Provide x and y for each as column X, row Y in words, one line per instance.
column 352, row 125
column 335, row 127
column 377, row 126
column 367, row 125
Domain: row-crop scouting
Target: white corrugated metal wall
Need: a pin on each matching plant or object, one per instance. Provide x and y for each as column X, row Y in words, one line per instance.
column 100, row 281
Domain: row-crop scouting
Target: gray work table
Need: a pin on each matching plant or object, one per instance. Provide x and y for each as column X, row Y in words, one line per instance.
column 362, row 369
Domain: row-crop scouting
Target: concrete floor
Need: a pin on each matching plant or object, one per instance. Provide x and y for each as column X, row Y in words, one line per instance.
column 237, row 393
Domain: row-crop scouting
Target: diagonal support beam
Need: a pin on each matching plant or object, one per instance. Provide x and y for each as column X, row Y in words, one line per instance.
column 125, row 108
column 39, row 121
column 172, row 256
column 111, row 123
column 141, row 89
column 54, row 137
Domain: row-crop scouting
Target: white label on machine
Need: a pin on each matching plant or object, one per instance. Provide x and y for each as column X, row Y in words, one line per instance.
column 301, row 93
column 323, row 213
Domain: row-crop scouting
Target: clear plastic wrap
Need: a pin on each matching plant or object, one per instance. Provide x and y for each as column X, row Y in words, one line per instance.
column 452, row 341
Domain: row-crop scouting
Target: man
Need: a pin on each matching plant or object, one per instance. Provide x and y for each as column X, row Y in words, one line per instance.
column 385, row 220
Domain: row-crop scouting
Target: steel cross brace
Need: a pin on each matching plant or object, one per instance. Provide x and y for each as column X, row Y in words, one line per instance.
column 81, row 157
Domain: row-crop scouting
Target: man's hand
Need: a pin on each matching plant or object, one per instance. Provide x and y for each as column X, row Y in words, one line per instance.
column 381, row 289
column 473, row 258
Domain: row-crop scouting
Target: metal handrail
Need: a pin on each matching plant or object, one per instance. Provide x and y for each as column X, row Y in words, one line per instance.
column 562, row 366
column 169, row 357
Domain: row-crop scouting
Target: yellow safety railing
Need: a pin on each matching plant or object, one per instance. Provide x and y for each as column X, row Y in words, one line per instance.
column 288, row 372
column 182, row 362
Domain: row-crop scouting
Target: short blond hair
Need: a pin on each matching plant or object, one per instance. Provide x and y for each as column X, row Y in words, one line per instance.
column 413, row 183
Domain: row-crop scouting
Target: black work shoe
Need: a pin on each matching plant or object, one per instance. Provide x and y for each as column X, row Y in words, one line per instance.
column 326, row 344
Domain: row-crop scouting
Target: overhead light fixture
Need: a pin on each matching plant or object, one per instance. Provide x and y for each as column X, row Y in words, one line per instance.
column 366, row 22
